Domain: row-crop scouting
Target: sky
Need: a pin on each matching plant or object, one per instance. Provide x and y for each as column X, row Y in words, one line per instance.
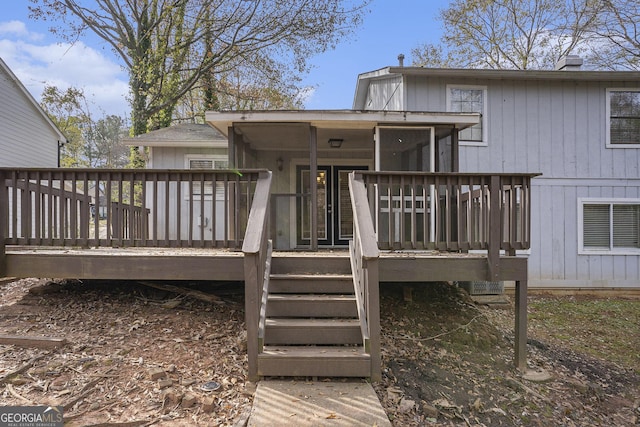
column 37, row 57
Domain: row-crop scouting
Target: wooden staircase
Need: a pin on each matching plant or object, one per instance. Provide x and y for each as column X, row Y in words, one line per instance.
column 310, row 320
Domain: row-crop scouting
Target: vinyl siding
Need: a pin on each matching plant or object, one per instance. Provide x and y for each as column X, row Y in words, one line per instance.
column 554, row 259
column 556, row 128
column 26, row 138
column 385, row 95
column 559, row 129
column 174, row 157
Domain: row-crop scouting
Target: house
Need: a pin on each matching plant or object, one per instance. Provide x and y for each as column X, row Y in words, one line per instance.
column 28, row 137
column 579, row 129
column 433, row 175
column 188, row 146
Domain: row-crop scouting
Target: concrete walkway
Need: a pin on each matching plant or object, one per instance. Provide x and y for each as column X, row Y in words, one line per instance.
column 302, row 404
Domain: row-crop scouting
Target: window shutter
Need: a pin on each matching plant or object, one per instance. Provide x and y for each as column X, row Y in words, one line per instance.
column 596, row 226
column 625, row 226
column 200, row 164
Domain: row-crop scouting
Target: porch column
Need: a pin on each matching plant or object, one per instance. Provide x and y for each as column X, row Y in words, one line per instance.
column 231, row 146
column 313, row 186
column 455, row 150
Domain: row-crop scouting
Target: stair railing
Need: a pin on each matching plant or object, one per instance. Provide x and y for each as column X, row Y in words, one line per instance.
column 257, row 250
column 364, row 256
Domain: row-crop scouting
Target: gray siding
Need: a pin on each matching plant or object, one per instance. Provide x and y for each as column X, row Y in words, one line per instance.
column 385, row 95
column 174, row 157
column 558, row 129
column 554, row 259
column 26, row 138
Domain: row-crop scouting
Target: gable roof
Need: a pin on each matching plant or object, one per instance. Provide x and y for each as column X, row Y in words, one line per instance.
column 488, row 74
column 180, row 135
column 4, row 67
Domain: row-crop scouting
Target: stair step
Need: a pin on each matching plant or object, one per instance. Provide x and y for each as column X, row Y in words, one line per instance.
column 311, row 283
column 311, row 305
column 296, row 361
column 312, row 331
column 317, row 263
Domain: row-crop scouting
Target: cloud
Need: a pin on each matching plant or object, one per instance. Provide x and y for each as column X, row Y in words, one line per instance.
column 19, row 29
column 38, row 63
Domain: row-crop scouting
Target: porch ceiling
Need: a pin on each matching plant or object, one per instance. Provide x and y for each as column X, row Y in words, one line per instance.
column 289, row 130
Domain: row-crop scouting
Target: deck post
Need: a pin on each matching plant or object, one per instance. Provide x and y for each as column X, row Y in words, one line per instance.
column 252, row 310
column 373, row 316
column 521, row 325
column 4, row 221
column 494, row 229
column 455, row 150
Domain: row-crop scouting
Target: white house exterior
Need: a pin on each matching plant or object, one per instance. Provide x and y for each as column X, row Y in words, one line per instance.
column 28, row 138
column 580, row 129
column 186, row 146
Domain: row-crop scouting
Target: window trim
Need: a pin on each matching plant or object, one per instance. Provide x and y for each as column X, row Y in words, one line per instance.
column 483, row 117
column 602, row 201
column 608, row 143
column 187, row 163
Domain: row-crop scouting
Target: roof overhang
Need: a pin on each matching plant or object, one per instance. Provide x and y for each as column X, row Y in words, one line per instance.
column 341, row 119
column 364, row 79
column 184, row 135
column 492, row 74
column 222, row 143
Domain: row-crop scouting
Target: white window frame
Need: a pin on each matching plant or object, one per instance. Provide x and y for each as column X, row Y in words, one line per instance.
column 483, row 113
column 600, row 251
column 609, row 144
column 207, row 157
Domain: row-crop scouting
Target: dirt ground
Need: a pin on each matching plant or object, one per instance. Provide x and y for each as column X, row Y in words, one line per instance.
column 137, row 356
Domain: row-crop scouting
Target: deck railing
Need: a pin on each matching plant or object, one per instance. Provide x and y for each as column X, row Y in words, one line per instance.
column 257, row 250
column 111, row 208
column 364, row 255
column 450, row 211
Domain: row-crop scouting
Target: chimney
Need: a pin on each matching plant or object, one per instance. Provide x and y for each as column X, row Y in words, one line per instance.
column 569, row 63
column 401, row 60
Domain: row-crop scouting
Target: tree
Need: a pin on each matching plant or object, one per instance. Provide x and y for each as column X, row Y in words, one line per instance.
column 617, row 29
column 244, row 88
column 169, row 45
column 103, row 143
column 69, row 111
column 510, row 34
column 89, row 143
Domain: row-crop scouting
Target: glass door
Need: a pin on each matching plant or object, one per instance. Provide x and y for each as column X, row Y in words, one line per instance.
column 323, row 185
column 335, row 215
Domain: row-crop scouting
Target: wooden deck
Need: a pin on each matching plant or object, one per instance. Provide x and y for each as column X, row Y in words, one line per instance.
column 408, row 227
column 227, row 265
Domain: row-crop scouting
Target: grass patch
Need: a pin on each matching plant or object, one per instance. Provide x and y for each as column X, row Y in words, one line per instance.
column 608, row 329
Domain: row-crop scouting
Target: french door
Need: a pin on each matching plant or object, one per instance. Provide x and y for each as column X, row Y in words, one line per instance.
column 335, row 216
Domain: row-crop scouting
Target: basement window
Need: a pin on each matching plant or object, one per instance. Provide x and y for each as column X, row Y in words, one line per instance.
column 609, row 226
column 623, row 118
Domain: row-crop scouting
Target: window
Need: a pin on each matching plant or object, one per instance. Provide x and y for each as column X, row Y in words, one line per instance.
column 623, row 113
column 205, row 162
column 609, row 226
column 469, row 99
